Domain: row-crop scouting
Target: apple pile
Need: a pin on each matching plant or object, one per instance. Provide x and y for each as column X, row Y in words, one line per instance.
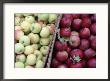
column 75, row 44
column 33, row 36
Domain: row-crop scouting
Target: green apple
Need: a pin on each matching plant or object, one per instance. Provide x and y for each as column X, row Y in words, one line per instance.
column 34, row 46
column 30, row 19
column 52, row 18
column 34, row 38
column 17, row 21
column 18, row 34
column 21, row 58
column 28, row 50
column 44, row 41
column 36, row 28
column 19, row 65
column 31, row 59
column 19, row 48
column 39, row 64
column 45, row 32
column 28, row 66
column 26, row 26
column 43, row 17
column 25, row 40
column 44, row 50
column 18, row 15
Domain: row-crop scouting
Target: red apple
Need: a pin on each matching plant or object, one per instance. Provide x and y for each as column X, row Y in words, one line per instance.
column 76, row 24
column 77, row 65
column 74, row 41
column 86, row 22
column 65, row 32
column 65, row 22
column 77, row 54
column 89, row 53
column 59, row 46
column 75, row 16
column 93, row 43
column 93, row 28
column 62, row 56
column 55, row 63
column 84, row 44
column 84, row 15
column 84, row 33
column 74, row 33
column 92, row 63
column 62, row 66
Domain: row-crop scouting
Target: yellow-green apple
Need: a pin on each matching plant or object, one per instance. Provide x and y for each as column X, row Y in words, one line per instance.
column 43, row 17
column 30, row 19
column 18, row 15
column 31, row 59
column 21, row 58
column 35, row 46
column 17, row 21
column 19, row 48
column 18, row 28
column 28, row 50
column 34, row 38
column 45, row 32
column 36, row 28
column 28, row 66
column 25, row 40
column 52, row 18
column 44, row 50
column 18, row 34
column 19, row 65
column 39, row 64
column 44, row 41
column 26, row 26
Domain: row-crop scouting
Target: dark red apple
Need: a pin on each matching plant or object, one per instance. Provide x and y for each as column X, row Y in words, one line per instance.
column 93, row 18
column 69, row 62
column 59, row 46
column 77, row 65
column 92, row 63
column 93, row 43
column 55, row 63
column 65, row 32
column 75, row 16
column 76, row 24
column 74, row 41
column 77, row 54
column 74, row 33
column 84, row 44
column 92, row 37
column 89, row 53
column 93, row 28
column 62, row 56
column 84, row 15
column 86, row 22
column 68, row 49
column 65, row 22
column 68, row 16
column 62, row 66
column 84, row 33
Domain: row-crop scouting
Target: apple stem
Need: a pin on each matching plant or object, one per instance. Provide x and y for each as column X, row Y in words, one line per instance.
column 77, row 58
